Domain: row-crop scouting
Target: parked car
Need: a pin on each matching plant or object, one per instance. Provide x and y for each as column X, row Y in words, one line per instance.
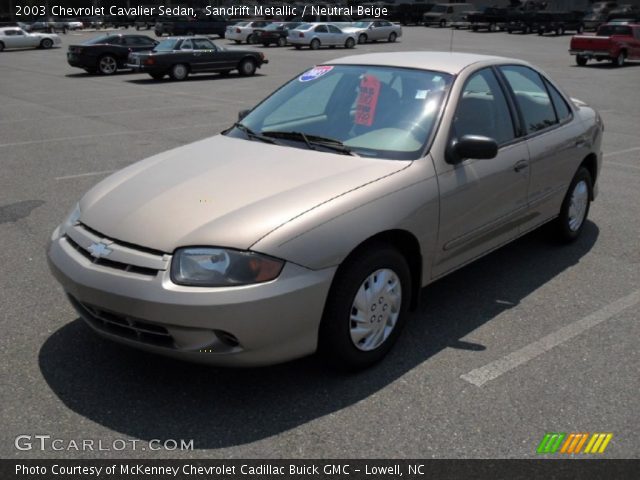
column 243, row 31
column 179, row 57
column 559, row 23
column 372, row 30
column 316, row 35
column 592, row 21
column 614, row 42
column 442, row 14
column 313, row 222
column 206, row 25
column 92, row 22
column 491, row 19
column 72, row 23
column 274, row 34
column 106, row 54
column 16, row 37
column 412, row 13
column 119, row 21
column 628, row 13
column 524, row 22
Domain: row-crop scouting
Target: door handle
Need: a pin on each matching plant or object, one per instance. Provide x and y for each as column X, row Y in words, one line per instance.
column 521, row 165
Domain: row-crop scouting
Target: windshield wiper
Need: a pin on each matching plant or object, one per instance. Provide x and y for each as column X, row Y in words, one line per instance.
column 311, row 140
column 253, row 135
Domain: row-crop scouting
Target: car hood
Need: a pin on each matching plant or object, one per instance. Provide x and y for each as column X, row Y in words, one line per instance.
column 222, row 191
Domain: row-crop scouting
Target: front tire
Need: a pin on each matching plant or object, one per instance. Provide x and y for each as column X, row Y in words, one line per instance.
column 179, row 72
column 620, row 60
column 392, row 37
column 366, row 308
column 247, row 67
column 350, row 43
column 362, row 38
column 282, row 42
column 575, row 206
column 46, row 43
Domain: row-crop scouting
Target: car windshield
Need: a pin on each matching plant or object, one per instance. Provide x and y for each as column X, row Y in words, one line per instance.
column 304, row 26
column 362, row 24
column 241, row 24
column 98, row 40
column 274, row 26
column 372, row 111
column 608, row 30
column 166, row 45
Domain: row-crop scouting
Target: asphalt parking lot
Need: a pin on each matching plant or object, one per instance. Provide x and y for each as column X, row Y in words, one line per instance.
column 533, row 338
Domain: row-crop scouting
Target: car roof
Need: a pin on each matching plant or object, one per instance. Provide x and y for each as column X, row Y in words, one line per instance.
column 448, row 62
column 189, row 37
column 4, row 29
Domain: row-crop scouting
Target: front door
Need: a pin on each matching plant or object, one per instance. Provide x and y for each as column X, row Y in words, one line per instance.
column 482, row 202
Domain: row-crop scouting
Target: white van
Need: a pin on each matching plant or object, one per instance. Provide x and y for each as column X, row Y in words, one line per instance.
column 442, row 14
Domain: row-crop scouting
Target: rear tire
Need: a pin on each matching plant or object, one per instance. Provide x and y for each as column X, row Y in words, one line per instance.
column 581, row 61
column 315, row 44
column 366, row 308
column 282, row 42
column 247, row 67
column 620, row 60
column 575, row 207
column 250, row 39
column 362, row 38
column 350, row 43
column 179, row 72
column 392, row 37
column 107, row 65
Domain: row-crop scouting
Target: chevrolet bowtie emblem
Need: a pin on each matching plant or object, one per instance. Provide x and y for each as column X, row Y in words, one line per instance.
column 99, row 250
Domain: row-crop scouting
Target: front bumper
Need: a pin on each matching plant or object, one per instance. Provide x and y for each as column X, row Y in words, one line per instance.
column 251, row 325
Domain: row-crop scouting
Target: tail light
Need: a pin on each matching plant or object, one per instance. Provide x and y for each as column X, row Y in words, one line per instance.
column 238, row 30
column 301, row 35
column 150, row 61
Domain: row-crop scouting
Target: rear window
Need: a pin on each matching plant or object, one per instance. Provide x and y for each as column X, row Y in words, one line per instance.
column 608, row 30
column 99, row 40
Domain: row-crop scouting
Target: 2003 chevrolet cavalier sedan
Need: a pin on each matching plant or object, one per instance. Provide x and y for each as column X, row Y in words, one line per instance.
column 312, row 223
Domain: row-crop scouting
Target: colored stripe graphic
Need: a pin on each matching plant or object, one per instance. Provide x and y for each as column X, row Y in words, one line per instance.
column 550, row 443
column 598, row 442
column 574, row 443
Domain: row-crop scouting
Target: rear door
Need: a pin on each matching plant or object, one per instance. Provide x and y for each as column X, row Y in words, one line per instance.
column 552, row 138
column 337, row 36
column 482, row 202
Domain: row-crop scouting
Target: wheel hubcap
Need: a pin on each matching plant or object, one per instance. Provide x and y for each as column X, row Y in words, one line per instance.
column 578, row 205
column 375, row 309
column 179, row 71
column 108, row 65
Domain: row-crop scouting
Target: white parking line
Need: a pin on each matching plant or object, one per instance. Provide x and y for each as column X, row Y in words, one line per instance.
column 620, row 164
column 493, row 370
column 620, row 152
column 89, row 174
column 99, row 135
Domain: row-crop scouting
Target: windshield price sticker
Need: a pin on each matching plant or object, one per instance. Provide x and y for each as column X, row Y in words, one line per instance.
column 315, row 72
column 367, row 100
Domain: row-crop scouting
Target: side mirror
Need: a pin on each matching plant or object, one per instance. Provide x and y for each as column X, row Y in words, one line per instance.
column 472, row 146
column 243, row 113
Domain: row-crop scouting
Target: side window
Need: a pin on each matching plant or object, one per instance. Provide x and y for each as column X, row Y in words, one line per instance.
column 145, row 41
column 203, row 44
column 186, row 45
column 562, row 109
column 333, row 29
column 532, row 97
column 483, row 110
column 321, row 29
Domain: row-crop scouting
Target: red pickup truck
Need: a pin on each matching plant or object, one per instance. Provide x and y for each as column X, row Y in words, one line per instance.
column 613, row 41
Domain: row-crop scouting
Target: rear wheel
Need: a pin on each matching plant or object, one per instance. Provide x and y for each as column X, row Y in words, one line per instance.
column 366, row 308
column 350, row 43
column 247, row 67
column 362, row 38
column 46, row 43
column 282, row 42
column 107, row 65
column 250, row 39
column 620, row 59
column 575, row 206
column 392, row 37
column 315, row 44
column 179, row 72
column 580, row 60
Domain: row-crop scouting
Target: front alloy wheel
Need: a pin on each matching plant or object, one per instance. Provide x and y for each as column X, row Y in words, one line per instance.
column 179, row 72
column 366, row 308
column 575, row 206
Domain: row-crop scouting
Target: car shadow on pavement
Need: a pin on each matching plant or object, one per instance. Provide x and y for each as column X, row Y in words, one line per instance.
column 150, row 397
column 193, row 78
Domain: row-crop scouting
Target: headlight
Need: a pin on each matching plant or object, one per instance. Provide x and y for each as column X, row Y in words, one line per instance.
column 220, row 267
column 72, row 218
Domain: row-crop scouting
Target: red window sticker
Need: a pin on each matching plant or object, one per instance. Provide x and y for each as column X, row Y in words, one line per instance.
column 367, row 100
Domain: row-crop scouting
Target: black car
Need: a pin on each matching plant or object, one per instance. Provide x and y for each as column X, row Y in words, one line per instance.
column 205, row 25
column 559, row 22
column 107, row 53
column 275, row 33
column 411, row 13
column 491, row 19
column 181, row 56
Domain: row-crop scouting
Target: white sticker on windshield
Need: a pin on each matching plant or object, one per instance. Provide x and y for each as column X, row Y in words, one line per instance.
column 315, row 72
column 421, row 94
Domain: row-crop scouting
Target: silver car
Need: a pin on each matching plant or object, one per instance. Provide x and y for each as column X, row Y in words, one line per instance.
column 16, row 37
column 313, row 222
column 316, row 35
column 374, row 30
